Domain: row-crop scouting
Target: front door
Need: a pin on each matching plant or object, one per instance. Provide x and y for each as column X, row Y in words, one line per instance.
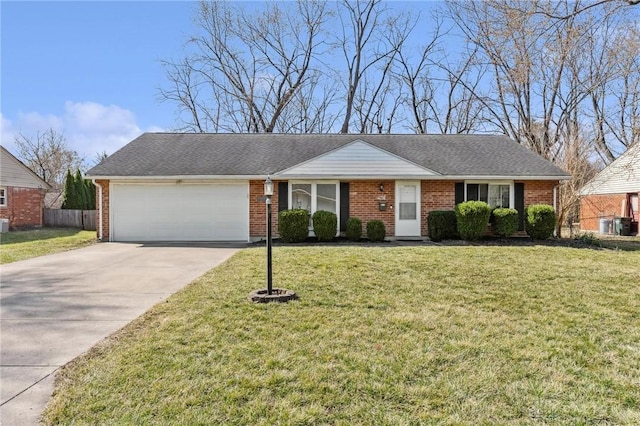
column 407, row 208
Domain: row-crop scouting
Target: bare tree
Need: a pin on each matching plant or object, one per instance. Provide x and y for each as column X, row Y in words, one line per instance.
column 370, row 41
column 48, row 155
column 244, row 69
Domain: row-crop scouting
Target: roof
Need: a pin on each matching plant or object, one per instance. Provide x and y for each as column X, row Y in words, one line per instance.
column 620, row 177
column 14, row 172
column 262, row 154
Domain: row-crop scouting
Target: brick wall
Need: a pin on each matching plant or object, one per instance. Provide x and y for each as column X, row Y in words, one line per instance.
column 258, row 210
column 364, row 203
column 24, row 207
column 539, row 192
column 436, row 195
column 104, row 184
column 594, row 207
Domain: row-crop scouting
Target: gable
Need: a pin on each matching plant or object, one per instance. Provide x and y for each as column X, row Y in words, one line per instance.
column 357, row 159
column 621, row 176
column 14, row 173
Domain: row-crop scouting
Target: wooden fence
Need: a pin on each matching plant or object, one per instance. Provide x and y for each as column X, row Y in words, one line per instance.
column 83, row 219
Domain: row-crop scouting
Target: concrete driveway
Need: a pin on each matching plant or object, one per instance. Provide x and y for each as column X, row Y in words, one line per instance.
column 54, row 308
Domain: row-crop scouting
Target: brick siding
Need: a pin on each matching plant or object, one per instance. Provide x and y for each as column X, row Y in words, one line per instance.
column 364, row 203
column 104, row 184
column 594, row 207
column 539, row 192
column 436, row 195
column 258, row 210
column 24, row 207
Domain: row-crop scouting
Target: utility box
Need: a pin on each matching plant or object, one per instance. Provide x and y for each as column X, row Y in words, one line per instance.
column 4, row 225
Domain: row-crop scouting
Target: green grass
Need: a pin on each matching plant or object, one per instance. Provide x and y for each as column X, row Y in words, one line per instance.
column 21, row 245
column 395, row 335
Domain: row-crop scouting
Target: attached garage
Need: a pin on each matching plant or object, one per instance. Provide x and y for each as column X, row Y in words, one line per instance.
column 179, row 211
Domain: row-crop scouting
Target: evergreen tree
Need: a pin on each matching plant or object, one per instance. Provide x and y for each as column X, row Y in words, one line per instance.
column 70, row 193
column 81, row 190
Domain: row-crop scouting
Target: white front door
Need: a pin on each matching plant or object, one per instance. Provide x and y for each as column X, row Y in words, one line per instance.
column 407, row 208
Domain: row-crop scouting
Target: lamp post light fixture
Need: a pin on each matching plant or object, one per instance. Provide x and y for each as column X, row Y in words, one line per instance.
column 268, row 192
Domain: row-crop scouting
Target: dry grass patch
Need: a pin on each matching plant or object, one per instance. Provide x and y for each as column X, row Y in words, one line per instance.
column 403, row 335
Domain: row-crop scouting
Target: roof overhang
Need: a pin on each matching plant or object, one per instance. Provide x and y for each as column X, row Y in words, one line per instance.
column 276, row 176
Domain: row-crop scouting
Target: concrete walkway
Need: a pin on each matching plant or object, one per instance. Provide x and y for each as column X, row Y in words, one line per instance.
column 54, row 308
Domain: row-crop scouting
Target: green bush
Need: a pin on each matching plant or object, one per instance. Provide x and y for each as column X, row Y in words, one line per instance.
column 293, row 225
column 442, row 225
column 504, row 221
column 540, row 221
column 354, row 229
column 325, row 225
column 472, row 218
column 376, row 230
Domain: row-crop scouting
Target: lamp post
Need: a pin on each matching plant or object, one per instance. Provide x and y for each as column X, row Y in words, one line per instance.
column 268, row 192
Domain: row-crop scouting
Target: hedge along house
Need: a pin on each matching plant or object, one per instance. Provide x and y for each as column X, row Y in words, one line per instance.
column 208, row 187
column 612, row 193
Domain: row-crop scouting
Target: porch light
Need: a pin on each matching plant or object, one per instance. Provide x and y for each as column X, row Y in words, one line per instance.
column 268, row 187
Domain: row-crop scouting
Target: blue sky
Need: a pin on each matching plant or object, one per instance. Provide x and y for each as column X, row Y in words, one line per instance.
column 88, row 69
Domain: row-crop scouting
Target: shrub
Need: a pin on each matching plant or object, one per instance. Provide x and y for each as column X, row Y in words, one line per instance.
column 540, row 221
column 376, row 230
column 293, row 225
column 354, row 229
column 472, row 218
column 325, row 225
column 505, row 222
column 442, row 225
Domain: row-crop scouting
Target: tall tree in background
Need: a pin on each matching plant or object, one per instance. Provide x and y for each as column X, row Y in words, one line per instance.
column 371, row 38
column 48, row 155
column 243, row 70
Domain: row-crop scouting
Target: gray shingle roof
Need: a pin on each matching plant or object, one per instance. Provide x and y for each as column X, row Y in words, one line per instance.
column 191, row 154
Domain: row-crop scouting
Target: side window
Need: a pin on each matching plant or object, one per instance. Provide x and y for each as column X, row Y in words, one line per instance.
column 3, row 197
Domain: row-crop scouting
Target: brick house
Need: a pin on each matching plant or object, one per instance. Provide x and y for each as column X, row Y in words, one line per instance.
column 22, row 193
column 612, row 193
column 208, row 187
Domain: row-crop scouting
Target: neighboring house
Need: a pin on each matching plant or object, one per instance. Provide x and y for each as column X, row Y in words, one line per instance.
column 208, row 187
column 613, row 193
column 22, row 193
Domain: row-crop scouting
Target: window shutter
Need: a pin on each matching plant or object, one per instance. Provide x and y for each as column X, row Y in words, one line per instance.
column 344, row 205
column 518, row 199
column 283, row 196
column 459, row 192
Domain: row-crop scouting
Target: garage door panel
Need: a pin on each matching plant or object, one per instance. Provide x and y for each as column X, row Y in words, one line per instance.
column 180, row 212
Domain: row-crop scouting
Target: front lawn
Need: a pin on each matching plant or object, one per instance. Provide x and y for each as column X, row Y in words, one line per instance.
column 380, row 335
column 21, row 245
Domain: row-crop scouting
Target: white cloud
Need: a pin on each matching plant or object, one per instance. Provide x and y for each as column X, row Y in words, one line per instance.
column 88, row 127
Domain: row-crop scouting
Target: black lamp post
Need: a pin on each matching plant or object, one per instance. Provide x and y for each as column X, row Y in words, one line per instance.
column 268, row 192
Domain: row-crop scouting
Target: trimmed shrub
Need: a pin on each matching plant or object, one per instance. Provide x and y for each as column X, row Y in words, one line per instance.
column 376, row 230
column 325, row 225
column 354, row 229
column 472, row 218
column 293, row 225
column 442, row 225
column 540, row 221
column 504, row 221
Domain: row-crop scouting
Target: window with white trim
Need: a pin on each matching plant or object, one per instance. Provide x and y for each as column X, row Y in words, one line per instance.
column 314, row 196
column 496, row 194
column 3, row 197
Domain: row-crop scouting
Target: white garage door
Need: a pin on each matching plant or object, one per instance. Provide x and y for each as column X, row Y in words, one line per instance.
column 179, row 212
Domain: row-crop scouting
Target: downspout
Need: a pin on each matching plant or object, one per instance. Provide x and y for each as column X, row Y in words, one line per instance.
column 99, row 226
